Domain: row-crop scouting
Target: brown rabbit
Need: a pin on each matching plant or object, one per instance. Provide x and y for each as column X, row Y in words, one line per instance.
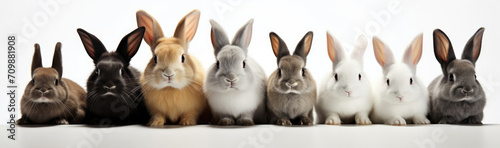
column 49, row 98
column 173, row 79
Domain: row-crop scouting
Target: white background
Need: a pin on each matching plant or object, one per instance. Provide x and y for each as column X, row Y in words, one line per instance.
column 111, row 20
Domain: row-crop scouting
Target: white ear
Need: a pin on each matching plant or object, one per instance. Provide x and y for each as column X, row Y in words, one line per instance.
column 335, row 51
column 414, row 52
column 359, row 49
column 383, row 54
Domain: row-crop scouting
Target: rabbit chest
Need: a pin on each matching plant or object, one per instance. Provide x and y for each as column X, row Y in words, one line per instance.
column 291, row 105
column 236, row 102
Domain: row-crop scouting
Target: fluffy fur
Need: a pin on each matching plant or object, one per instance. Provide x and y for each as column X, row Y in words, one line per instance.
column 345, row 94
column 173, row 80
column 401, row 96
column 49, row 98
column 235, row 84
column 291, row 89
column 456, row 96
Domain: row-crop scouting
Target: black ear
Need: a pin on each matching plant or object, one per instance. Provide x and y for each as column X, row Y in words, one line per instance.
column 130, row 44
column 57, row 60
column 218, row 37
column 92, row 44
column 443, row 50
column 37, row 59
column 304, row 46
column 279, row 47
column 473, row 47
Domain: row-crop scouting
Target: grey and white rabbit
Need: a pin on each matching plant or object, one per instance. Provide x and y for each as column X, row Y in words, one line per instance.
column 456, row 96
column 235, row 85
column 291, row 89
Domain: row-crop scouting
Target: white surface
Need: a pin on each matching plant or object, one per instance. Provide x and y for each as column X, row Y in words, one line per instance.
column 268, row 136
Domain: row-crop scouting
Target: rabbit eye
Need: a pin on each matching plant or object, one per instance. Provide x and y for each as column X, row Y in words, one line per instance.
column 388, row 82
column 183, row 58
column 411, row 81
column 336, row 77
column 57, row 82
column 156, row 59
column 359, row 77
column 121, row 72
column 475, row 76
column 303, row 72
column 244, row 64
column 97, row 71
column 451, row 77
column 217, row 65
column 33, row 81
column 279, row 72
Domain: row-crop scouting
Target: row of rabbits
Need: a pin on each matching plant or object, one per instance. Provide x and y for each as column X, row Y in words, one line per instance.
column 173, row 88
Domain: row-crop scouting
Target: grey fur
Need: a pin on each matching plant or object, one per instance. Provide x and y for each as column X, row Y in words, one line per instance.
column 285, row 107
column 447, row 103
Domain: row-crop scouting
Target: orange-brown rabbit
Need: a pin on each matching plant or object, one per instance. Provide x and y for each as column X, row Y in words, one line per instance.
column 173, row 79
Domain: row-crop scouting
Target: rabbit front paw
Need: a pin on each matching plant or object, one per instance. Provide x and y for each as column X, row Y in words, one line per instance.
column 187, row 122
column 363, row 121
column 421, row 121
column 333, row 121
column 284, row 122
column 245, row 122
column 397, row 121
column 225, row 121
column 62, row 122
column 306, row 121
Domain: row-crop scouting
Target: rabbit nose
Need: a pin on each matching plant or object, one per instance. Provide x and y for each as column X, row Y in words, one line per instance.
column 291, row 84
column 43, row 91
column 467, row 91
column 231, row 78
column 109, row 87
column 168, row 74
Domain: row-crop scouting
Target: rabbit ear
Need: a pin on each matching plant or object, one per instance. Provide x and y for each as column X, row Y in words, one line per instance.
column 473, row 47
column 153, row 29
column 37, row 59
column 335, row 51
column 304, row 46
column 92, row 44
column 279, row 47
column 243, row 36
column 186, row 29
column 382, row 52
column 57, row 60
column 359, row 49
column 414, row 52
column 442, row 49
column 130, row 44
column 218, row 37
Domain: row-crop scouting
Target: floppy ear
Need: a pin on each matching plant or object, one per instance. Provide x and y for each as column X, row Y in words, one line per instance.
column 359, row 49
column 57, row 60
column 37, row 59
column 243, row 36
column 382, row 52
column 473, row 47
column 218, row 37
column 304, row 46
column 130, row 44
column 279, row 47
column 153, row 29
column 92, row 44
column 335, row 51
column 186, row 29
column 443, row 50
column 414, row 52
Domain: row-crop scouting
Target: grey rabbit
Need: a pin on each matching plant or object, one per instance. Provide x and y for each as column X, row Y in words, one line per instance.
column 456, row 96
column 291, row 89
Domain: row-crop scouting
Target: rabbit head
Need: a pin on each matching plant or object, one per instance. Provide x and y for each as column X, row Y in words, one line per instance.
column 291, row 75
column 401, row 82
column 459, row 76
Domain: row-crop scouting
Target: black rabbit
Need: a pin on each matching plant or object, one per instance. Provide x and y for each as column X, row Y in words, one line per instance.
column 113, row 90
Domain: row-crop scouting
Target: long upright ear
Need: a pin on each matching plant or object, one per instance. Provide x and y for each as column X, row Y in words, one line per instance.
column 37, row 59
column 473, row 47
column 383, row 53
column 186, row 29
column 279, row 47
column 57, row 60
column 414, row 52
column 304, row 46
column 243, row 36
column 218, row 37
column 443, row 50
column 359, row 49
column 153, row 29
column 335, row 50
column 130, row 44
column 92, row 44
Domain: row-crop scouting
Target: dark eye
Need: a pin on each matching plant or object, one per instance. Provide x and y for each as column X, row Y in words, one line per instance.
column 244, row 64
column 97, row 71
column 411, row 81
column 57, row 82
column 121, row 72
column 359, row 77
column 33, row 81
column 303, row 72
column 388, row 82
column 451, row 77
column 475, row 76
column 336, row 77
column 156, row 59
column 217, row 64
column 183, row 58
column 279, row 72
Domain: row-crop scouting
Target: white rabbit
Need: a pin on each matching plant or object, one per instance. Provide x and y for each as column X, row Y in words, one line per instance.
column 345, row 93
column 401, row 96
column 236, row 85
